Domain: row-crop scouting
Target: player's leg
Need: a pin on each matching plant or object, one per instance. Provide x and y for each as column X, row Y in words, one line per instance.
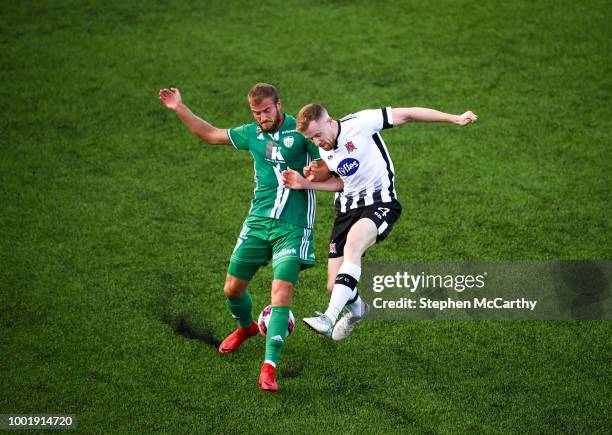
column 244, row 263
column 343, row 275
column 360, row 237
column 238, row 300
column 356, row 306
column 321, row 323
column 333, row 266
column 285, row 276
column 282, row 292
column 293, row 250
column 374, row 226
column 240, row 305
column 353, row 233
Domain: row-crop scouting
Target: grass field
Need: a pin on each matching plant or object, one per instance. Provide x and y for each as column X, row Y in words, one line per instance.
column 116, row 224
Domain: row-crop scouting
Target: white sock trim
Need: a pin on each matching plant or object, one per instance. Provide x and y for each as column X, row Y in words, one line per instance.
column 350, row 269
column 341, row 294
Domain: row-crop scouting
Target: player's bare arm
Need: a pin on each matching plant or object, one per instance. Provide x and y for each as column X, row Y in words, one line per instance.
column 293, row 180
column 317, row 171
column 403, row 115
column 171, row 98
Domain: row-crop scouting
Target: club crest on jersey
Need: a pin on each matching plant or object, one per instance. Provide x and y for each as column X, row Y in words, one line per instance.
column 348, row 167
column 288, row 141
column 350, row 147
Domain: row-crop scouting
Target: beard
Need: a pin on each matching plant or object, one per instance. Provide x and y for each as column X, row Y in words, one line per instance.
column 274, row 124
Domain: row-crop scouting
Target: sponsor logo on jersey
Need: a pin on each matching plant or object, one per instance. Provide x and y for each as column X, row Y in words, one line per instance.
column 288, row 141
column 350, row 147
column 276, row 154
column 273, row 151
column 284, row 252
column 348, row 167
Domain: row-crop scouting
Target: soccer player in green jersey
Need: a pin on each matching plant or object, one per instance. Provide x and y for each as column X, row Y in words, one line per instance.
column 279, row 226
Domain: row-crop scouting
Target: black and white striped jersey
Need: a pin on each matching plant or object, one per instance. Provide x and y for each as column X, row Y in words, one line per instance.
column 361, row 159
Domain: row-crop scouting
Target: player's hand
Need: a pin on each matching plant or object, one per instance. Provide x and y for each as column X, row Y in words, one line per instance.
column 467, row 118
column 293, row 180
column 171, row 98
column 316, row 171
column 310, row 171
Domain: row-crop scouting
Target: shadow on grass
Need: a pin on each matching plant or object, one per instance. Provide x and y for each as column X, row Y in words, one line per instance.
column 185, row 328
column 176, row 310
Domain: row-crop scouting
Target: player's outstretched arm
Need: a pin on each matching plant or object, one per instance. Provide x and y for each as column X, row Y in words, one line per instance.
column 402, row 115
column 171, row 98
column 293, row 180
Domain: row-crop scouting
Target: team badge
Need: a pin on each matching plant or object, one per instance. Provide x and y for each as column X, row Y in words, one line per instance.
column 288, row 141
column 350, row 147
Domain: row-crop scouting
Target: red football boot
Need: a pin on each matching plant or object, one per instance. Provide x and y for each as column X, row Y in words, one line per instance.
column 235, row 339
column 267, row 378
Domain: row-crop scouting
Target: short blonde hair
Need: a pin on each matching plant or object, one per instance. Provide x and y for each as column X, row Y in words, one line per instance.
column 263, row 90
column 307, row 114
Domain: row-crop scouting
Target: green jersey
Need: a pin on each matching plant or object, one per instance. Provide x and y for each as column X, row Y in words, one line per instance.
column 272, row 154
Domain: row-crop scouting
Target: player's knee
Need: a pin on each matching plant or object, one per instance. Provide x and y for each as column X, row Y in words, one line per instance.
column 233, row 288
column 231, row 291
column 282, row 293
column 281, row 298
column 353, row 250
column 350, row 248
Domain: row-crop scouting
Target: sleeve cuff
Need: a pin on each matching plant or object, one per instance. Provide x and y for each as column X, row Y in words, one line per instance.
column 229, row 134
column 387, row 118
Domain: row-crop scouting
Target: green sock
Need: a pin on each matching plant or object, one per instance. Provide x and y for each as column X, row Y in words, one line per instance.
column 277, row 333
column 242, row 309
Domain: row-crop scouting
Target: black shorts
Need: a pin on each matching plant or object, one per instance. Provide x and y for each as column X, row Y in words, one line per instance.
column 383, row 214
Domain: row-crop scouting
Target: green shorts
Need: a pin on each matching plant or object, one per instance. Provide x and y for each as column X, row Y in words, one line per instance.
column 290, row 247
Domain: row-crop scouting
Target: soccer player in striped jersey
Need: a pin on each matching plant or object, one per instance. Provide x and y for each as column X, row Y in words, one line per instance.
column 366, row 201
column 279, row 226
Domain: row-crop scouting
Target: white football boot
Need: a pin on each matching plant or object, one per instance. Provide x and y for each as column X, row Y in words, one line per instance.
column 348, row 322
column 320, row 324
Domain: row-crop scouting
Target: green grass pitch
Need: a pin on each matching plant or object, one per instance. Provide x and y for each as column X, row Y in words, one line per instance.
column 116, row 224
